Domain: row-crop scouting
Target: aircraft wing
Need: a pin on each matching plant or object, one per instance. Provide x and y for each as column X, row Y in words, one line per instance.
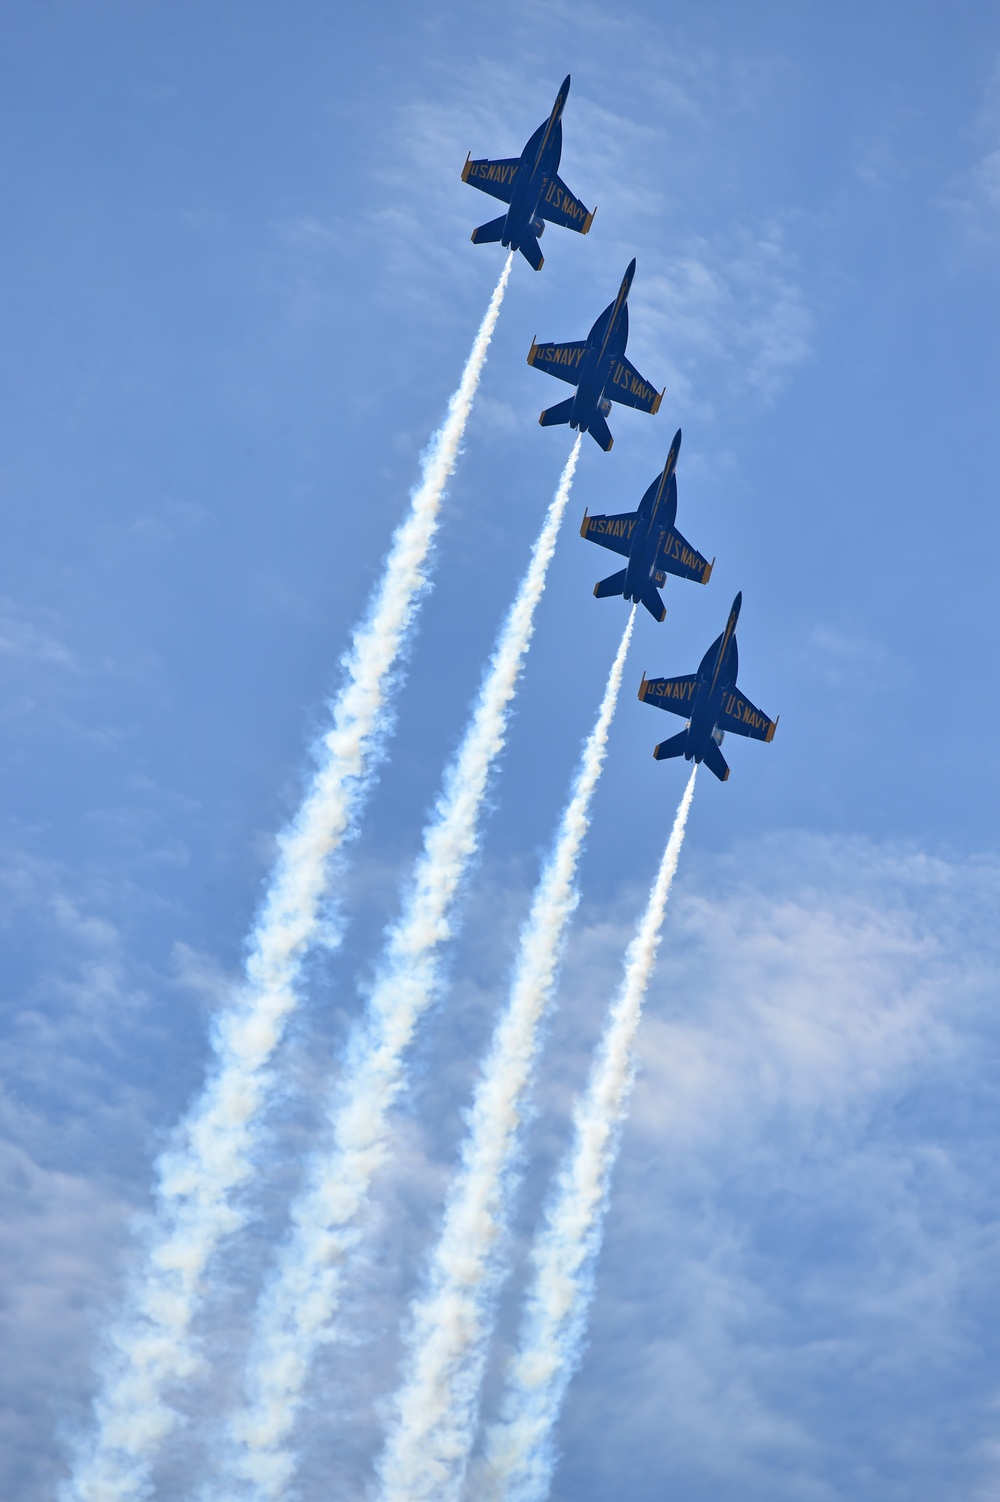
column 559, row 206
column 614, row 532
column 674, row 694
column 677, row 556
column 744, row 718
column 493, row 177
column 562, row 360
column 628, row 386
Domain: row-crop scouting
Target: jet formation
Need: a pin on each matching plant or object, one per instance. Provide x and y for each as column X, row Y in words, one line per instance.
column 647, row 538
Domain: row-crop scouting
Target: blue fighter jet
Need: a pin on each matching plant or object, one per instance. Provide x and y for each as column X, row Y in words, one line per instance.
column 711, row 702
column 650, row 541
column 531, row 185
column 597, row 367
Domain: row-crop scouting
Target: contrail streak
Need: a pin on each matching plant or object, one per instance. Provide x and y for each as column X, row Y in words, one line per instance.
column 301, row 1299
column 150, row 1347
column 519, row 1458
column 433, row 1426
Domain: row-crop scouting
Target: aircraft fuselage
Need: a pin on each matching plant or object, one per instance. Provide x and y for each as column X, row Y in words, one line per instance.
column 717, row 675
column 538, row 168
column 604, row 349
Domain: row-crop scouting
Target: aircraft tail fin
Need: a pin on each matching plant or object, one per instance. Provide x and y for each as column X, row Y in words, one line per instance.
column 489, row 234
column 600, row 432
column 552, row 416
column 675, row 746
column 532, row 252
column 653, row 603
column 716, row 762
column 615, row 585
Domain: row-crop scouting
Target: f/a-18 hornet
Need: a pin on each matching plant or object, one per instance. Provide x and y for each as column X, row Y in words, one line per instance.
column 531, row 185
column 711, row 702
column 650, row 541
column 597, row 367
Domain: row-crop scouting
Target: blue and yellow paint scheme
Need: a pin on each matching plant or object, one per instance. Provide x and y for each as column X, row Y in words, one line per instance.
column 531, row 187
column 710, row 702
column 650, row 541
column 597, row 367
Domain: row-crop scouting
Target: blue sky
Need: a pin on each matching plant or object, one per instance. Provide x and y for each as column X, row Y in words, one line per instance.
column 238, row 291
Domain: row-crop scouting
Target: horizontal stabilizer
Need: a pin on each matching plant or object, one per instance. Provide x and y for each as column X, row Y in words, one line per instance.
column 615, row 585
column 532, row 252
column 653, row 603
column 716, row 762
column 600, row 432
column 552, row 416
column 675, row 746
column 489, row 234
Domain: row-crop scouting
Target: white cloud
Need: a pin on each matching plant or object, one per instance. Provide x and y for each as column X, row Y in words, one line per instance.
column 800, row 1224
column 801, row 1234
column 23, row 642
column 728, row 310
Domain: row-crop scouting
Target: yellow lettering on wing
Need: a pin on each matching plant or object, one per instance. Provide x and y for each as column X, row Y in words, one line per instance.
column 672, row 688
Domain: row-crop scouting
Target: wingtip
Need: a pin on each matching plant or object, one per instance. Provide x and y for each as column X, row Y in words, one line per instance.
column 656, row 405
column 533, row 351
column 708, row 572
column 589, row 221
column 770, row 734
column 465, row 169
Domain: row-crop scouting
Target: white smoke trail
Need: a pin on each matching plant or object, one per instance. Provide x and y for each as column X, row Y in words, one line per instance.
column 433, row 1426
column 299, row 1303
column 519, row 1458
column 150, row 1347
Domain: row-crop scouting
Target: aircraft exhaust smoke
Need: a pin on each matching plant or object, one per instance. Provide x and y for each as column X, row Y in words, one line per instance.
column 301, row 1298
column 436, row 1408
column 149, row 1348
column 519, row 1460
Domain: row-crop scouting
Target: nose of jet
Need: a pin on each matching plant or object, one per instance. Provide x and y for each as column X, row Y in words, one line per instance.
column 737, row 605
column 629, row 274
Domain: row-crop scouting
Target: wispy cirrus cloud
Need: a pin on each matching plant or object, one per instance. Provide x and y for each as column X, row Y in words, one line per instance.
column 802, row 1227
column 27, row 641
